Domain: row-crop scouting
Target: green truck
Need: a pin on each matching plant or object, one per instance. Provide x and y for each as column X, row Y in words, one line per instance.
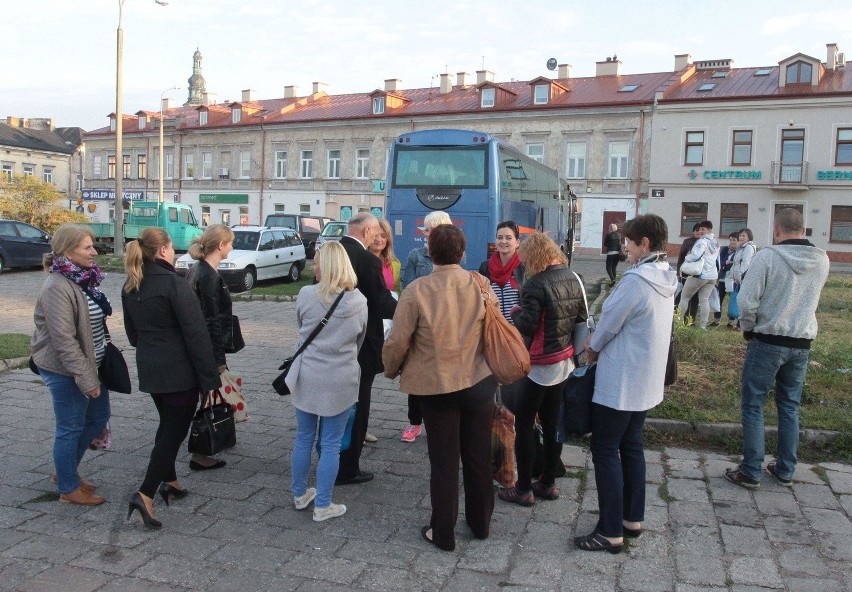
column 176, row 219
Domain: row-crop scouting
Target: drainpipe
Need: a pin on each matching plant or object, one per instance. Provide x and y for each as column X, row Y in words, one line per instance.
column 640, row 159
column 262, row 165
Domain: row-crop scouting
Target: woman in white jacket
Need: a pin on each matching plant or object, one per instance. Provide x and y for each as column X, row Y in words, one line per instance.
column 630, row 345
column 742, row 261
column 706, row 250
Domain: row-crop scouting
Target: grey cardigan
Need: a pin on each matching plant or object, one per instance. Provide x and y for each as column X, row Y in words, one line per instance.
column 62, row 342
column 324, row 378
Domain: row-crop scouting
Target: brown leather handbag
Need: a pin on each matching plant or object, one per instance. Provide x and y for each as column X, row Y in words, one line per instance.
column 502, row 346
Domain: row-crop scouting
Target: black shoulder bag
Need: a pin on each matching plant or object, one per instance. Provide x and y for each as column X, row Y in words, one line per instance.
column 278, row 384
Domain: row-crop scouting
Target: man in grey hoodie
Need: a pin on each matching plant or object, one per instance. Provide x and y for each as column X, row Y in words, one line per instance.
column 778, row 301
column 706, row 250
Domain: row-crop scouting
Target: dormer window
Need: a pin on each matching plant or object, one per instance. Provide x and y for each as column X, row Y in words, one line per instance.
column 799, row 73
column 542, row 94
column 202, row 118
column 378, row 105
column 487, row 97
column 236, row 115
column 112, row 124
column 142, row 122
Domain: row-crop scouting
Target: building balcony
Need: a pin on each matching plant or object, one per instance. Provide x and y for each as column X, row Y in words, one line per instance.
column 789, row 175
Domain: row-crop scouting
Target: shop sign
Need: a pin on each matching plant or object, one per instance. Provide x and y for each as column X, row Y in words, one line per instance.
column 223, row 198
column 377, row 212
column 345, row 213
column 110, row 194
column 729, row 174
column 834, row 175
column 378, row 185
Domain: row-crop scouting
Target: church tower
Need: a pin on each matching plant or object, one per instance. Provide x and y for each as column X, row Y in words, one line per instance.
column 196, row 82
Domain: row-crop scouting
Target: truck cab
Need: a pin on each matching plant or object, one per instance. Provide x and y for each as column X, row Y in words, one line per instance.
column 175, row 218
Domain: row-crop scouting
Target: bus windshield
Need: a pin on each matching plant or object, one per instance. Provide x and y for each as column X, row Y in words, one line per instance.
column 458, row 166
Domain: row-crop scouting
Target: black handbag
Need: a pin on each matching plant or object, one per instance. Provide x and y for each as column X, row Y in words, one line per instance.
column 279, row 383
column 575, row 408
column 234, row 342
column 213, row 428
column 671, row 363
column 113, row 369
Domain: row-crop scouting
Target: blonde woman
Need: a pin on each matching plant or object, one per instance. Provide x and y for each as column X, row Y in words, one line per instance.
column 382, row 247
column 174, row 357
column 210, row 249
column 68, row 346
column 324, row 379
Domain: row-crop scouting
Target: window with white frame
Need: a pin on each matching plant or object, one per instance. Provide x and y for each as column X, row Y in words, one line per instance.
column 29, row 170
column 536, row 152
column 170, row 165
column 8, row 169
column 306, row 164
column 78, row 184
column 236, row 115
column 542, row 94
column 125, row 166
column 575, row 167
column 378, row 105
column 694, row 152
column 333, row 164
column 112, row 124
column 245, row 164
column 280, row 164
column 362, row 163
column 97, row 163
column 188, row 164
column 202, row 118
column 206, row 165
column 304, row 208
column 143, row 121
column 47, row 174
column 111, row 166
column 487, row 97
column 618, row 159
column 141, row 166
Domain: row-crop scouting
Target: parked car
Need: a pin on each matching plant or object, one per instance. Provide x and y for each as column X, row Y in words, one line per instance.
column 333, row 231
column 21, row 245
column 308, row 227
column 259, row 254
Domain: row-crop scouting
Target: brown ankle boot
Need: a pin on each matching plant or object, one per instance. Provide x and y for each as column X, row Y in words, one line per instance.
column 87, row 487
column 83, row 498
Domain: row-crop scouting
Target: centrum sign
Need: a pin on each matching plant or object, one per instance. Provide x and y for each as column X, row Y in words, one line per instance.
column 729, row 174
column 834, row 175
column 110, row 194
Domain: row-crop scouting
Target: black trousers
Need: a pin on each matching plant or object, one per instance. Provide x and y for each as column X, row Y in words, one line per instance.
column 611, row 265
column 721, row 288
column 175, row 418
column 350, row 459
column 415, row 415
column 459, row 424
column 544, row 402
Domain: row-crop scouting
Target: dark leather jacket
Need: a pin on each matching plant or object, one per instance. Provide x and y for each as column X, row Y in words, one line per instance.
column 215, row 300
column 612, row 242
column 551, row 303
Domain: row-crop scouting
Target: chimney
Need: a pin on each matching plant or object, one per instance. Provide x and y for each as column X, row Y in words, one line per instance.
column 320, row 87
column 682, row 60
column 393, row 84
column 564, row 71
column 165, row 104
column 609, row 67
column 208, row 99
column 461, row 79
column 446, row 83
column 248, row 95
column 13, row 121
column 831, row 58
column 291, row 91
column 484, row 76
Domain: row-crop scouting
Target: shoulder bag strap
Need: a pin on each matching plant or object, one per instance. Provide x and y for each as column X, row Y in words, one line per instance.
column 583, row 290
column 320, row 325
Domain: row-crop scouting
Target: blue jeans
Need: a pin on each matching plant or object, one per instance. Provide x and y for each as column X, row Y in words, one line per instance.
column 330, row 434
column 78, row 420
column 786, row 367
column 619, row 461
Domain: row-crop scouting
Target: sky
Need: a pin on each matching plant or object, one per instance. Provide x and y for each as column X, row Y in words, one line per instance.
column 60, row 55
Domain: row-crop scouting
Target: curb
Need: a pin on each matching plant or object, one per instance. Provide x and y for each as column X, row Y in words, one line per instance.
column 12, row 363
column 262, row 297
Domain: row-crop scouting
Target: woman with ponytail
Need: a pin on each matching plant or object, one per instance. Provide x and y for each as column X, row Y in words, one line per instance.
column 174, row 358
column 68, row 346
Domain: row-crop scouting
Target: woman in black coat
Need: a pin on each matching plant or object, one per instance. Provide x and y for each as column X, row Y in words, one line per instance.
column 612, row 245
column 209, row 250
column 174, row 357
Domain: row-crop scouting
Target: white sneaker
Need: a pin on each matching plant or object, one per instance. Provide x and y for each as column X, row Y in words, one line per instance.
column 332, row 511
column 303, row 501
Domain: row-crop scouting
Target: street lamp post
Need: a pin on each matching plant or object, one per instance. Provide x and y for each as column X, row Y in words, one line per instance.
column 118, row 241
column 160, row 167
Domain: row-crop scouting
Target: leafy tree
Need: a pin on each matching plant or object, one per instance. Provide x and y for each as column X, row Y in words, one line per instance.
column 27, row 199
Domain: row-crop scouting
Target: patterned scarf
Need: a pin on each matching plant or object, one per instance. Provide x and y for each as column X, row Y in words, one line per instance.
column 88, row 279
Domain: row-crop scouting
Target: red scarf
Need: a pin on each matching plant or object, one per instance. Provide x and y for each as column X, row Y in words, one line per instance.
column 501, row 274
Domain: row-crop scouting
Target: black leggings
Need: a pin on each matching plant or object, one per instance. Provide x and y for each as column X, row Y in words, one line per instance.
column 544, row 402
column 175, row 420
column 611, row 265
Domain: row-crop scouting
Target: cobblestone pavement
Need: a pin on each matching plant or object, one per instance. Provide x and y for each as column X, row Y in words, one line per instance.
column 237, row 530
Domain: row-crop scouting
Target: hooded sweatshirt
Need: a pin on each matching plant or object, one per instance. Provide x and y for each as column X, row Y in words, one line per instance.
column 706, row 248
column 633, row 336
column 780, row 293
column 324, row 378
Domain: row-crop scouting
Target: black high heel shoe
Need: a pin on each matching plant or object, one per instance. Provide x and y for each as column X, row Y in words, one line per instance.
column 167, row 491
column 136, row 503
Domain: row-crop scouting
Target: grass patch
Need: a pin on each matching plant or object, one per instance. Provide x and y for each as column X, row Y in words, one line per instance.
column 277, row 287
column 14, row 345
column 109, row 262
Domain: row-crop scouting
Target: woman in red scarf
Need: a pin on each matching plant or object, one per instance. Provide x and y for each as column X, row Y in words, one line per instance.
column 504, row 268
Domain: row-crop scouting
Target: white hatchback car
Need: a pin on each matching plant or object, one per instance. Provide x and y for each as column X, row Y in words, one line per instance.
column 260, row 253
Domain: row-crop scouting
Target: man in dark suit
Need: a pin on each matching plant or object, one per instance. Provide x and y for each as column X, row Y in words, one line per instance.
column 380, row 305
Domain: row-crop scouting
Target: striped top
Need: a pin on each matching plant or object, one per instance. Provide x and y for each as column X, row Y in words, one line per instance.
column 96, row 317
column 508, row 297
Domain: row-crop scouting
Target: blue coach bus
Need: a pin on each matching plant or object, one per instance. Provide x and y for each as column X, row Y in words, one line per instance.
column 480, row 181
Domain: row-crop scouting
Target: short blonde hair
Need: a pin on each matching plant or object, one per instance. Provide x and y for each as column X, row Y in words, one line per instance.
column 436, row 218
column 209, row 241
column 66, row 238
column 336, row 272
column 537, row 251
